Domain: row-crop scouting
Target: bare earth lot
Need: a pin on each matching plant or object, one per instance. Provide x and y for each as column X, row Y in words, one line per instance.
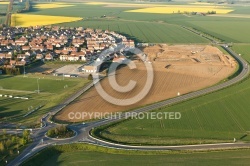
column 45, row 68
column 69, row 69
column 177, row 68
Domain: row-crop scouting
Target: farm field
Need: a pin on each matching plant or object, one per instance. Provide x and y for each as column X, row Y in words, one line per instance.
column 3, row 6
column 52, row 91
column 182, row 8
column 51, row 5
column 79, row 154
column 224, row 29
column 145, row 31
column 216, row 117
column 26, row 20
column 2, row 20
column 4, row 3
column 243, row 49
column 159, row 33
column 118, row 19
column 241, row 10
column 185, row 73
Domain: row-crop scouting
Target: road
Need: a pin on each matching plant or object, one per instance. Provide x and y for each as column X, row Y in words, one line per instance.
column 83, row 130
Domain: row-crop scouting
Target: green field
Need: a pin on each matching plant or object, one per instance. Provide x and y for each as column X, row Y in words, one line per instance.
column 227, row 29
column 216, row 117
column 140, row 31
column 244, row 50
column 82, row 154
column 52, row 91
column 145, row 31
column 156, row 28
column 2, row 19
column 3, row 9
column 241, row 10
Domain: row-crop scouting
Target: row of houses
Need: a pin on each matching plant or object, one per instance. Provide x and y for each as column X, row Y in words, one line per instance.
column 52, row 42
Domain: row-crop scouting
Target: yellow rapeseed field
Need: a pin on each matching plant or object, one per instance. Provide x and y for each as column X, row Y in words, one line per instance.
column 168, row 9
column 200, row 3
column 52, row 5
column 26, row 20
column 180, row 9
column 97, row 3
column 4, row 3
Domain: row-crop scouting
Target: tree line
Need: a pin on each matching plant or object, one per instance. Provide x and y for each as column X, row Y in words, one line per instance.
column 8, row 14
column 27, row 8
column 10, row 144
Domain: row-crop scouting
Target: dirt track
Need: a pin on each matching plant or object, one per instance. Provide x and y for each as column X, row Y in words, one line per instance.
column 178, row 68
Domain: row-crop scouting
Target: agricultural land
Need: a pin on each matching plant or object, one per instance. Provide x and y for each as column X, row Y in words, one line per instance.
column 140, row 27
column 182, row 41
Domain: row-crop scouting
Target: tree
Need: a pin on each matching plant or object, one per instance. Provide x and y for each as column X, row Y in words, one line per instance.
column 11, row 152
column 8, row 143
column 13, row 139
column 26, row 135
column 8, row 14
column 56, row 131
column 22, row 141
column 62, row 129
column 4, row 131
column 51, row 133
column 2, row 147
column 90, row 77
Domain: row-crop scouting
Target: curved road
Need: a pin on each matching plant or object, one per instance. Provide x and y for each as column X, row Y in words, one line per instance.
column 83, row 130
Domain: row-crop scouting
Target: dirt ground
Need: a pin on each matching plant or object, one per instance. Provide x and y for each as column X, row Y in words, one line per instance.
column 44, row 68
column 177, row 69
column 69, row 69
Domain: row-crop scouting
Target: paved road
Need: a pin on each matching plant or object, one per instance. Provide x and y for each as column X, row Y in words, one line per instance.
column 83, row 130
